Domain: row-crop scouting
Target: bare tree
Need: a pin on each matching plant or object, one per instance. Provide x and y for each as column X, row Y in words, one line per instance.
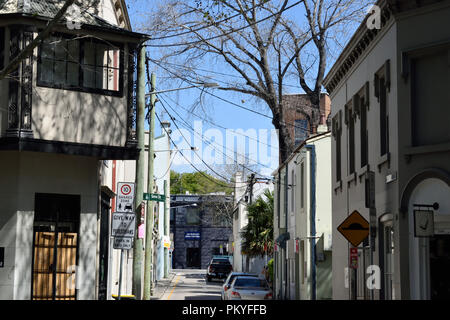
column 257, row 41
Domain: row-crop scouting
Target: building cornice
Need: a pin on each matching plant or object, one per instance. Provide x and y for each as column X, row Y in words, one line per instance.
column 362, row 39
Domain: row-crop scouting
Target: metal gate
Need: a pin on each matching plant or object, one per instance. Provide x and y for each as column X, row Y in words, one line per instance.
column 54, row 266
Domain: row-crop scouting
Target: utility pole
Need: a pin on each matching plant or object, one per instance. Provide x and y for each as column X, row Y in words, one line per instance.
column 148, row 268
column 166, row 226
column 140, row 118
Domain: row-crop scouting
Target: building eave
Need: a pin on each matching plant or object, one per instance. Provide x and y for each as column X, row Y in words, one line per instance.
column 297, row 150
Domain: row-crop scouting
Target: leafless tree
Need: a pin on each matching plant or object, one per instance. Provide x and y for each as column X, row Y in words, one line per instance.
column 256, row 40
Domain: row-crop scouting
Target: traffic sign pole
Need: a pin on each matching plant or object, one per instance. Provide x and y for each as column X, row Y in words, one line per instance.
column 120, row 275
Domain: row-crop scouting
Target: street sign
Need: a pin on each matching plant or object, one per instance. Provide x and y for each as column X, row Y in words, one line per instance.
column 154, row 197
column 423, row 223
column 192, row 235
column 123, row 225
column 125, row 197
column 353, row 258
column 166, row 241
column 355, row 228
column 123, row 243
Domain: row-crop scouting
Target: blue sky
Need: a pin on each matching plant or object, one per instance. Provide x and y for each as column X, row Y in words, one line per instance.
column 224, row 114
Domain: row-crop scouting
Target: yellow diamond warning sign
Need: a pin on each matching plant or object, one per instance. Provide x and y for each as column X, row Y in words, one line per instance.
column 355, row 228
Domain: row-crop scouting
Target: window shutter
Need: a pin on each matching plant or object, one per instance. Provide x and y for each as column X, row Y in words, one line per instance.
column 357, row 104
column 376, row 85
column 347, row 114
column 387, row 74
column 367, row 95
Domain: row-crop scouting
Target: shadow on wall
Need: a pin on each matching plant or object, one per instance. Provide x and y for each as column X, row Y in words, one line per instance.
column 64, row 115
column 324, row 278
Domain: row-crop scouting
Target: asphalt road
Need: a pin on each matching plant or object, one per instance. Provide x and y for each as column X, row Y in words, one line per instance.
column 191, row 284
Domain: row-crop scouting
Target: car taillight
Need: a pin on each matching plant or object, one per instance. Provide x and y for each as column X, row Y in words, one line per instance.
column 225, row 289
column 268, row 296
column 235, row 294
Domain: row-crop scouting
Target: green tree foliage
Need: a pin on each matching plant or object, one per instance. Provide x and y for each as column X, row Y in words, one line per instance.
column 196, row 183
column 258, row 234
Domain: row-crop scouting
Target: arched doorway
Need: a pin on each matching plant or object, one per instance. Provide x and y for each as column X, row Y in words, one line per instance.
column 429, row 256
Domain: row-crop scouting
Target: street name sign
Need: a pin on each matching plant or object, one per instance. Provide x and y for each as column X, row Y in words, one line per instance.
column 123, row 225
column 123, row 243
column 355, row 228
column 125, row 197
column 191, row 235
column 154, row 197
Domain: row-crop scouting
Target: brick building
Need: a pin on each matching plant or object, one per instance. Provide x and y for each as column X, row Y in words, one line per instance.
column 301, row 118
column 200, row 227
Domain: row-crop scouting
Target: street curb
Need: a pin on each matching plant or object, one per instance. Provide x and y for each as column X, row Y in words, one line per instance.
column 163, row 287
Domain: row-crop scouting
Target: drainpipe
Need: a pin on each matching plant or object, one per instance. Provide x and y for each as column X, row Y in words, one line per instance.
column 286, row 207
column 312, row 154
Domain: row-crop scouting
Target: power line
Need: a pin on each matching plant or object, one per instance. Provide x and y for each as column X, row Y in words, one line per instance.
column 218, row 174
column 173, row 119
column 192, row 165
column 220, row 126
column 230, row 102
column 207, row 26
column 219, row 73
column 226, row 33
column 209, row 143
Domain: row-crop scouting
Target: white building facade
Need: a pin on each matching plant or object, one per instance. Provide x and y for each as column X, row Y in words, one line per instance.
column 125, row 171
column 58, row 120
column 302, row 222
column 390, row 153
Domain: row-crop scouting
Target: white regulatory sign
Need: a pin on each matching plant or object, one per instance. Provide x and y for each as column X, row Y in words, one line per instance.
column 125, row 197
column 123, row 225
column 123, row 243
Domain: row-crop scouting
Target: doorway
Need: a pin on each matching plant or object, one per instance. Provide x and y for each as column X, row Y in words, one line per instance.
column 55, row 247
column 193, row 258
column 439, row 267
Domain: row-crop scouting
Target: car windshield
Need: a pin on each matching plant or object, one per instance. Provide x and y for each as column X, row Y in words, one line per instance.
column 220, row 261
column 237, row 275
column 250, row 282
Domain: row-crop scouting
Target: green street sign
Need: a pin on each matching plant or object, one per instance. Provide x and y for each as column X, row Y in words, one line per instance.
column 154, row 197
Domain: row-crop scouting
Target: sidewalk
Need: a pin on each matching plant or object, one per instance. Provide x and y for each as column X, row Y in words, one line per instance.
column 162, row 286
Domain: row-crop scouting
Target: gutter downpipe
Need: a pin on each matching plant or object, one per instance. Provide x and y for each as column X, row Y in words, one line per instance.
column 312, row 149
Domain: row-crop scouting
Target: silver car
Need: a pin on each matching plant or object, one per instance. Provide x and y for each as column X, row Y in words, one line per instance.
column 229, row 279
column 249, row 288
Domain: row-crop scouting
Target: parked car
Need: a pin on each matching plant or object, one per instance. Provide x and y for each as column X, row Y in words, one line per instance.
column 218, row 268
column 229, row 279
column 249, row 288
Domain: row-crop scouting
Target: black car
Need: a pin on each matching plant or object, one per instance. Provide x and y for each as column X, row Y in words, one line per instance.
column 218, row 268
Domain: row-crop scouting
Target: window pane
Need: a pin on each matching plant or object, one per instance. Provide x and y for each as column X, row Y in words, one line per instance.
column 60, row 72
column 73, row 74
column 101, row 55
column 101, row 78
column 113, row 79
column 47, row 49
column 89, row 53
column 46, row 72
column 88, row 77
column 192, row 216
column 60, row 49
column 73, row 48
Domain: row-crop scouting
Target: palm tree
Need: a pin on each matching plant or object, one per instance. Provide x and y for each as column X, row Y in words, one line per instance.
column 258, row 234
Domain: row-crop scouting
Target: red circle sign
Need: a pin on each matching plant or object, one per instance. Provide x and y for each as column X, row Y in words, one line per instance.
column 125, row 189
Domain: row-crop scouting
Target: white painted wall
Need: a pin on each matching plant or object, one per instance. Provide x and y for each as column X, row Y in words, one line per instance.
column 25, row 174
